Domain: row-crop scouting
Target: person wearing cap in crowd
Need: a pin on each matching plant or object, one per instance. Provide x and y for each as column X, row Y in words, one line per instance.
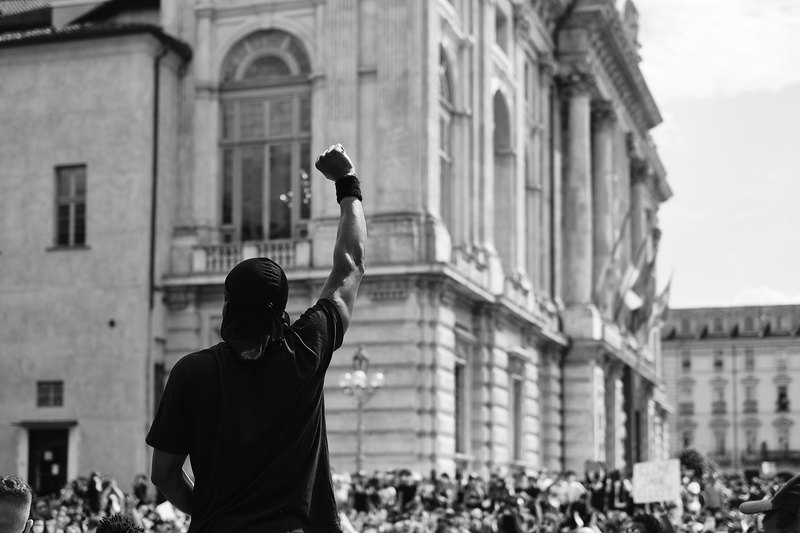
column 15, row 505
column 249, row 411
column 781, row 512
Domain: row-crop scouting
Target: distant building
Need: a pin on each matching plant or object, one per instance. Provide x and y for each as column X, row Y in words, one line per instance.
column 509, row 179
column 732, row 373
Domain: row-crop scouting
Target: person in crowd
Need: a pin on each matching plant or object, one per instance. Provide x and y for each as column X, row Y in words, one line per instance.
column 644, row 523
column 15, row 505
column 781, row 512
column 249, row 411
column 118, row 524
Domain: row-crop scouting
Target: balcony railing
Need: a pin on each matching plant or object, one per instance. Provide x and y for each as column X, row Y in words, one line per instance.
column 686, row 408
column 750, row 406
column 718, row 408
column 784, row 456
column 219, row 258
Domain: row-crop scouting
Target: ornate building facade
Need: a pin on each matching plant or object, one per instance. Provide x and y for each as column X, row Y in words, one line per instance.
column 729, row 371
column 510, row 184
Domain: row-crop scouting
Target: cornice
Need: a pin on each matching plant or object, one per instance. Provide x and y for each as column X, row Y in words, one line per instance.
column 617, row 55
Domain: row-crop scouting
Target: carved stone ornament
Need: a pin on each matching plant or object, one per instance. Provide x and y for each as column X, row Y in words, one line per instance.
column 603, row 111
column 576, row 82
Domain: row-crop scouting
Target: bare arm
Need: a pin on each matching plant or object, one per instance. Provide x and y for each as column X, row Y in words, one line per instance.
column 169, row 477
column 342, row 285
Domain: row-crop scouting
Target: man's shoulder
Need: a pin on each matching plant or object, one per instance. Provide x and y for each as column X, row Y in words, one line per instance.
column 200, row 359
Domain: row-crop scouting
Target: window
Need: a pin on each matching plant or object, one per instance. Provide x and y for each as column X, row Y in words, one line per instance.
column 749, row 392
column 749, row 360
column 446, row 107
column 751, row 440
column 516, row 392
column 686, row 361
column 718, row 327
column 781, row 364
column 265, row 133
column 783, row 439
column 49, row 393
column 71, row 205
column 687, row 439
column 719, row 394
column 460, row 376
column 685, row 392
column 719, row 361
column 501, row 29
column 783, row 399
column 748, row 323
column 719, row 438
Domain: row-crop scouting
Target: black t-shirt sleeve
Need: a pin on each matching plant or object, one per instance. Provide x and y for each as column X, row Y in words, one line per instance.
column 320, row 328
column 168, row 432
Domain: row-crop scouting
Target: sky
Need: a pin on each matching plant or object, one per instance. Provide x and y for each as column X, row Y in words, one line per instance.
column 726, row 77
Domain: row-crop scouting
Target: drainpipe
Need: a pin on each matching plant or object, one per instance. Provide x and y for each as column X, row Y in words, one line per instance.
column 149, row 371
column 154, row 173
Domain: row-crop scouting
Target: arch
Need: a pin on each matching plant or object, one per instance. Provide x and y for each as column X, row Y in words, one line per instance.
column 502, row 123
column 446, row 93
column 270, row 53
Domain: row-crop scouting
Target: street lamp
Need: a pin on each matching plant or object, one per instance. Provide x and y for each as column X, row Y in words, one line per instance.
column 362, row 386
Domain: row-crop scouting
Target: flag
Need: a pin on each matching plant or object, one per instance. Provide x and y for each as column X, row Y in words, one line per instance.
column 609, row 261
column 626, row 295
column 660, row 307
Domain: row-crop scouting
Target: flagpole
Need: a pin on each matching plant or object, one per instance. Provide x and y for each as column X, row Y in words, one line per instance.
column 621, row 294
column 610, row 259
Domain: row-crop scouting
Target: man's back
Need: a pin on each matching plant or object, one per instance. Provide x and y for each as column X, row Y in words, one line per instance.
column 255, row 431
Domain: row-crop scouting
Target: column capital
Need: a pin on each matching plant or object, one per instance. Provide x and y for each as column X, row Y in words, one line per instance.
column 576, row 82
column 604, row 112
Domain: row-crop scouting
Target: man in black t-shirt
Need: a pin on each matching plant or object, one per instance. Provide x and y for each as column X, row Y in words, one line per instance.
column 249, row 412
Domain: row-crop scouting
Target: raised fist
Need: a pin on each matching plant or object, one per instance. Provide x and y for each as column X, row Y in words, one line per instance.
column 334, row 163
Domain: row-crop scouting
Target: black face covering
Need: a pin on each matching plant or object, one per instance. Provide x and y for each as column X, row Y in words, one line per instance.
column 254, row 316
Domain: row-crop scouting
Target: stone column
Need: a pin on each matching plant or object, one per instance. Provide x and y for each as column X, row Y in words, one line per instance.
column 577, row 281
column 584, row 408
column 603, row 118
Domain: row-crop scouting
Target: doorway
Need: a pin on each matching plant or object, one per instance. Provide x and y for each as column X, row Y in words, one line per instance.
column 47, row 460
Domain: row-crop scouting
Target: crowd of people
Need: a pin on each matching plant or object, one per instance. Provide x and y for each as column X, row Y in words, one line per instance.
column 405, row 501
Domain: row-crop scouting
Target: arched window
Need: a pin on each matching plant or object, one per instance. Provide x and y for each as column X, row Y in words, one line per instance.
column 265, row 133
column 504, row 219
column 446, row 107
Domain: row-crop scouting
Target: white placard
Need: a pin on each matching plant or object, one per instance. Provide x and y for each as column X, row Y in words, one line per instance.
column 657, row 481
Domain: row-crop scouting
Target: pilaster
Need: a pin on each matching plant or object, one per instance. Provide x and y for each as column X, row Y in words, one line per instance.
column 603, row 119
column 584, row 411
column 578, row 206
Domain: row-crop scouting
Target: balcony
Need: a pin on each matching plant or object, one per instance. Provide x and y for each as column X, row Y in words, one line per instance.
column 220, row 258
column 750, row 406
column 777, row 456
column 719, row 408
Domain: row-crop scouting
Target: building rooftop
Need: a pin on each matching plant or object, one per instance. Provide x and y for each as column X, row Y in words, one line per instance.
column 729, row 322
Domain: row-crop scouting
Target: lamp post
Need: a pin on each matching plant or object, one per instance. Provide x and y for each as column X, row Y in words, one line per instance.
column 362, row 386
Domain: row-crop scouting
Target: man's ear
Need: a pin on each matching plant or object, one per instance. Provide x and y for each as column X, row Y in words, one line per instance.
column 28, row 526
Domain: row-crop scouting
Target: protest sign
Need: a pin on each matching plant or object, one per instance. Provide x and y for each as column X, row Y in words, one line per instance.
column 657, row 481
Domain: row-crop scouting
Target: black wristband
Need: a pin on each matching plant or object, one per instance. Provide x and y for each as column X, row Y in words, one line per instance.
column 348, row 186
